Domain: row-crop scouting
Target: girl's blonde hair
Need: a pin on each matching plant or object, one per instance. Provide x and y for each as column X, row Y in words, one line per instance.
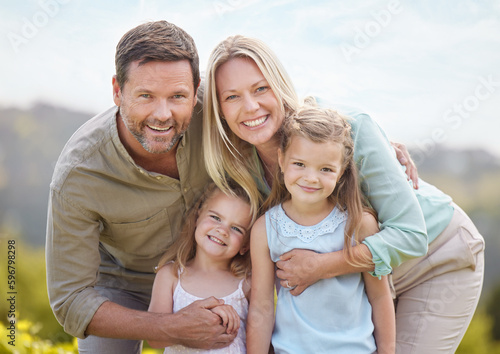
column 320, row 126
column 183, row 250
column 226, row 155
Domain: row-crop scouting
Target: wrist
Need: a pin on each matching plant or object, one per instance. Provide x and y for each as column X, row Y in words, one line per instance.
column 167, row 329
column 328, row 265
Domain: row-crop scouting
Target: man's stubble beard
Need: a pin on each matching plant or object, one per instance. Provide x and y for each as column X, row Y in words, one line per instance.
column 140, row 136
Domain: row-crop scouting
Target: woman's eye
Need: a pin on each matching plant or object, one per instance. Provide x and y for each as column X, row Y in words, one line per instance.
column 326, row 169
column 300, row 164
column 232, row 97
column 215, row 217
column 262, row 89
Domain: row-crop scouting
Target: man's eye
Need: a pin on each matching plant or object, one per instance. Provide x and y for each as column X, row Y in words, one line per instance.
column 146, row 95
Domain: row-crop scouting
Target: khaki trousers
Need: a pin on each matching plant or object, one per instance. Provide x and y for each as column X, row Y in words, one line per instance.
column 436, row 295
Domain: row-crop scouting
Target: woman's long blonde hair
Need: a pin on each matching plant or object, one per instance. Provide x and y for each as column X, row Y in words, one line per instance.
column 183, row 250
column 226, row 155
column 322, row 125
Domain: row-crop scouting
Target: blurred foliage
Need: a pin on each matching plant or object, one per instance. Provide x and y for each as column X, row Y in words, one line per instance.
column 493, row 309
column 32, row 301
column 27, row 341
column 478, row 339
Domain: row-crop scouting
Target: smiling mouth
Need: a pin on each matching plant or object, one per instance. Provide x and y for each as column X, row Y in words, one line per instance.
column 159, row 129
column 309, row 189
column 216, row 240
column 255, row 122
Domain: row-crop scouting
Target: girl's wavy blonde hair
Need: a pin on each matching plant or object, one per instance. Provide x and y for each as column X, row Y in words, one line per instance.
column 226, row 155
column 183, row 250
column 322, row 125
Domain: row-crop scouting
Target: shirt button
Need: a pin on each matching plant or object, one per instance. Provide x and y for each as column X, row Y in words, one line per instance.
column 185, row 190
column 159, row 177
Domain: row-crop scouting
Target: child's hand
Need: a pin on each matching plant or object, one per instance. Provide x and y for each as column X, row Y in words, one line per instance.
column 229, row 318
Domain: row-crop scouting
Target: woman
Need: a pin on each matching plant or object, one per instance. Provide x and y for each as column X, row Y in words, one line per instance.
column 247, row 97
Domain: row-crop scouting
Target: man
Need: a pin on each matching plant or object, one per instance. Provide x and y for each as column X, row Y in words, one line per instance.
column 119, row 190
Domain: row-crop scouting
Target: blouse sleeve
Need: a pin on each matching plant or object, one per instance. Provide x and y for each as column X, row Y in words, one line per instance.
column 402, row 233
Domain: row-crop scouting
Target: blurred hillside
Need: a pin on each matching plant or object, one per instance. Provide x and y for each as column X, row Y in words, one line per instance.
column 31, row 140
column 30, row 143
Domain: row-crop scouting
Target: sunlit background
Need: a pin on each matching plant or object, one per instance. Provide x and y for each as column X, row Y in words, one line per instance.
column 428, row 71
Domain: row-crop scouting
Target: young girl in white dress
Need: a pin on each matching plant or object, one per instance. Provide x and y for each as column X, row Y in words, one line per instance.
column 316, row 204
column 209, row 258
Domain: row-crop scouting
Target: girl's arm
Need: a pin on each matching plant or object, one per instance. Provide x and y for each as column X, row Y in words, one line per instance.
column 383, row 316
column 261, row 312
column 379, row 295
column 162, row 296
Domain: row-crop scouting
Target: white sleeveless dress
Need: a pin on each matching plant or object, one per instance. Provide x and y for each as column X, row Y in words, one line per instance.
column 240, row 303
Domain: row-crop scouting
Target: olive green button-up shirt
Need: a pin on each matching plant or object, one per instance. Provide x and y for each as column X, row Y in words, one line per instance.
column 109, row 220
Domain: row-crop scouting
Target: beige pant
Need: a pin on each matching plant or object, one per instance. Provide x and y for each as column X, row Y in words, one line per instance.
column 436, row 295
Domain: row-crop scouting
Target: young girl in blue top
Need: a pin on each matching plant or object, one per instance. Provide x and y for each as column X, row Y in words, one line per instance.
column 209, row 258
column 316, row 204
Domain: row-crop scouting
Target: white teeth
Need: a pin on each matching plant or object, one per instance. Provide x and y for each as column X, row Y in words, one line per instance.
column 216, row 240
column 254, row 123
column 160, row 129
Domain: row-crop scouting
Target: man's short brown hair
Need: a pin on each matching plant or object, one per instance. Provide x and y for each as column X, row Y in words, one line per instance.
column 155, row 41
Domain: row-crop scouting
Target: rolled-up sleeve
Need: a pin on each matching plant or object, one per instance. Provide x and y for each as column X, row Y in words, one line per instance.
column 72, row 259
column 402, row 233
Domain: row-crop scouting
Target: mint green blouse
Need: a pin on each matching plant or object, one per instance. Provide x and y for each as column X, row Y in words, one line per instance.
column 409, row 219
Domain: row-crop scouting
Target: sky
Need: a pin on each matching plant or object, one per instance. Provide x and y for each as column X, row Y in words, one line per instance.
column 427, row 71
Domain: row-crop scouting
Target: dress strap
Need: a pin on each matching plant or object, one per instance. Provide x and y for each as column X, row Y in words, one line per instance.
column 179, row 273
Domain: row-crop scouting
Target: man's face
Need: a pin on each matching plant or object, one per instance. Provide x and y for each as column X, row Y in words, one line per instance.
column 156, row 104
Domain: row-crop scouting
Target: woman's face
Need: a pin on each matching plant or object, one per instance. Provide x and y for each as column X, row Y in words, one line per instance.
column 248, row 104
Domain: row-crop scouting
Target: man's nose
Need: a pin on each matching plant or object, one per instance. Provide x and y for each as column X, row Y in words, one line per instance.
column 162, row 110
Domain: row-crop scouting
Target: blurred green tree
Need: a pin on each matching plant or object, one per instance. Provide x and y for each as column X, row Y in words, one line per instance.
column 32, row 303
column 493, row 309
